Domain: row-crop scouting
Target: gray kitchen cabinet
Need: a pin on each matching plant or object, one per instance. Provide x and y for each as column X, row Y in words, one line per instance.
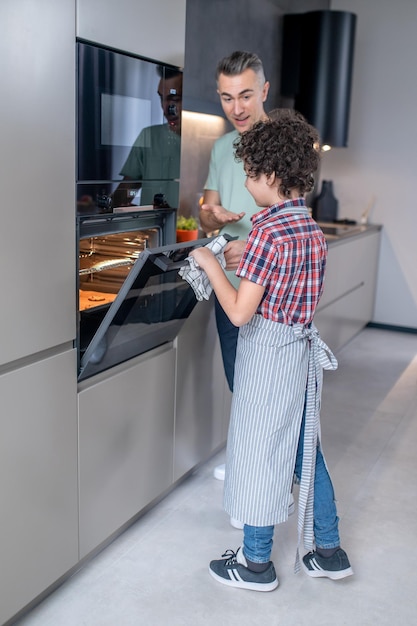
column 126, row 434
column 38, row 380
column 203, row 398
column 348, row 297
column 38, row 479
column 37, row 239
column 155, row 30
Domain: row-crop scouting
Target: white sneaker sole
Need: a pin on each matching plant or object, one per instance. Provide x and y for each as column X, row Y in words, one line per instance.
column 241, row 584
column 320, row 573
column 219, row 472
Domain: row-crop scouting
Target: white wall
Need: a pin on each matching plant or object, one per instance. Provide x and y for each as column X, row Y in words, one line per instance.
column 154, row 29
column 380, row 164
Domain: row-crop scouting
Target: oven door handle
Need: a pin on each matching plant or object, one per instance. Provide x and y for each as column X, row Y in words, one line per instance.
column 165, row 264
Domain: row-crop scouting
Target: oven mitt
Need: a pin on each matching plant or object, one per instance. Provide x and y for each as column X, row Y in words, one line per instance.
column 196, row 277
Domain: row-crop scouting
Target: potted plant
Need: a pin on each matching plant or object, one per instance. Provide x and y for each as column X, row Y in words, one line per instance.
column 187, row 228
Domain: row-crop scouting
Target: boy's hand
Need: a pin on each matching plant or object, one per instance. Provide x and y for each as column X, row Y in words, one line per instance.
column 203, row 257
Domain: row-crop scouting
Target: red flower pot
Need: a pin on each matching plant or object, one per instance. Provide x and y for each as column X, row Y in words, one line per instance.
column 186, row 235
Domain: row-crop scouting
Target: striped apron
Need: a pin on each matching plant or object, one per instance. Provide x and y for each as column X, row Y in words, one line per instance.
column 278, row 371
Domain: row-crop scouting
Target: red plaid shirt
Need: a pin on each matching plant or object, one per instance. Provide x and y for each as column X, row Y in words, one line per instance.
column 286, row 253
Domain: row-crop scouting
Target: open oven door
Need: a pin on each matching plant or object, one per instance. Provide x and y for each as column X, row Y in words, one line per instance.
column 149, row 310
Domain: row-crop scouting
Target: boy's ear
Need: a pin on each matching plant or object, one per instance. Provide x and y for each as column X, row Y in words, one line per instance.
column 271, row 179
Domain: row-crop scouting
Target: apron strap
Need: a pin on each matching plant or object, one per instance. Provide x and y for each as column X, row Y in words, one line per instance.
column 320, row 357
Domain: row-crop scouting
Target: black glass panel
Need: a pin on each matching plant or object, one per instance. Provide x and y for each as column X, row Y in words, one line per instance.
column 149, row 310
column 129, row 130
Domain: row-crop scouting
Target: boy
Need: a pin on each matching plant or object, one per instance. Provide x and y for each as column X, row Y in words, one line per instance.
column 274, row 425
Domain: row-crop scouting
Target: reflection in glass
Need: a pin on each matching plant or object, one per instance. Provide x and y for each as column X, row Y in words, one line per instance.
column 129, row 130
column 153, row 164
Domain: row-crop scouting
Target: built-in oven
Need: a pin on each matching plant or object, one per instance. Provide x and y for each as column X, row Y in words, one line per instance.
column 131, row 296
column 129, row 130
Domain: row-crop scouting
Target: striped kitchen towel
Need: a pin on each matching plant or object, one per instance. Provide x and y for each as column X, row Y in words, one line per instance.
column 197, row 277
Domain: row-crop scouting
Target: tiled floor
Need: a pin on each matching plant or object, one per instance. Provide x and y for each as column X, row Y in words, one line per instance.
column 155, row 574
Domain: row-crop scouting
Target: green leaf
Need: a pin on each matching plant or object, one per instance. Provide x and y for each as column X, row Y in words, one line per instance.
column 186, row 223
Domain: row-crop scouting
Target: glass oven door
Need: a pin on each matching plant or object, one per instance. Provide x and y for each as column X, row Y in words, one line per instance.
column 149, row 310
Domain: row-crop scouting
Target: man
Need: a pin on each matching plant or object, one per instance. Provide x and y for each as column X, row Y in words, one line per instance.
column 153, row 163
column 228, row 205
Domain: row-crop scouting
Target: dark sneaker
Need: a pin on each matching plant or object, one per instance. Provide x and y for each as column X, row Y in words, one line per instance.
column 233, row 570
column 334, row 567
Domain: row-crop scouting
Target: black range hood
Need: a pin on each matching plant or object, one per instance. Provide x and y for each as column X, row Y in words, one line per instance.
column 317, row 69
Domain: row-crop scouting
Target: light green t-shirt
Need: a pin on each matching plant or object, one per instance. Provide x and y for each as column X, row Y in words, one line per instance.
column 154, row 160
column 227, row 177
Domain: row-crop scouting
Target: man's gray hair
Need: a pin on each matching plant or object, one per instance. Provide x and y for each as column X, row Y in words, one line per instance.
column 238, row 62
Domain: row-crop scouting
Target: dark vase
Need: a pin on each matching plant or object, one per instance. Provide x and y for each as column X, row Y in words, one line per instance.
column 325, row 206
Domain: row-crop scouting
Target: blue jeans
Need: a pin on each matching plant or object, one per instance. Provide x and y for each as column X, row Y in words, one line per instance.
column 228, row 334
column 257, row 541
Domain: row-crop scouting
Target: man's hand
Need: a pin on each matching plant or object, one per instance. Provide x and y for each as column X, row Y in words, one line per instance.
column 215, row 216
column 233, row 253
column 222, row 215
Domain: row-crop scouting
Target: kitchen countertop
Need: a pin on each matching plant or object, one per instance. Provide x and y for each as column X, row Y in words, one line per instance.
column 336, row 232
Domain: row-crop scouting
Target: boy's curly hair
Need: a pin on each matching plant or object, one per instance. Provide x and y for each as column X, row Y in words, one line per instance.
column 285, row 145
